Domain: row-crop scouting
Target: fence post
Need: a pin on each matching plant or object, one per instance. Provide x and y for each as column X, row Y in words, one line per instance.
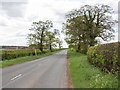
column 16, row 52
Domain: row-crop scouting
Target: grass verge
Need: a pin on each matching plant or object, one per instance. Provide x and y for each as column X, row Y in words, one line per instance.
column 19, row 60
column 84, row 75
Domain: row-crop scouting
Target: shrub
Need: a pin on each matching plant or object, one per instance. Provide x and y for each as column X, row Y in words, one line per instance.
column 11, row 54
column 105, row 56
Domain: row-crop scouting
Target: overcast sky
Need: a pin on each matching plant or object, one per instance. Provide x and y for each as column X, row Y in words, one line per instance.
column 16, row 16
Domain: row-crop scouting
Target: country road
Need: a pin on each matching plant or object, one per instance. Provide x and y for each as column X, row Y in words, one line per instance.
column 47, row 72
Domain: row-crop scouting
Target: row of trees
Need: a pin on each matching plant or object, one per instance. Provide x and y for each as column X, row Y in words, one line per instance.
column 84, row 26
column 42, row 37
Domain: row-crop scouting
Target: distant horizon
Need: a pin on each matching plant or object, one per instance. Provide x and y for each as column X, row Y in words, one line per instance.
column 64, row 47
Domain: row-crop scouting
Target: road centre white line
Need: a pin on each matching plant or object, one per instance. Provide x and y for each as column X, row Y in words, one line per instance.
column 16, row 76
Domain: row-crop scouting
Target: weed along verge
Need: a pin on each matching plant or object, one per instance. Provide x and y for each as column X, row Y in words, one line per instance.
column 85, row 75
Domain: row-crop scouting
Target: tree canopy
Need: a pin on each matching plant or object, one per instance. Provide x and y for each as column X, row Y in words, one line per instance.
column 83, row 26
column 41, row 37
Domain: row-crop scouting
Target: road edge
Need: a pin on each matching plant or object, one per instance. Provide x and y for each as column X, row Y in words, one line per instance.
column 69, row 81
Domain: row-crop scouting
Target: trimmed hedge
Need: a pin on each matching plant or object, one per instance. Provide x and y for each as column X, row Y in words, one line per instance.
column 105, row 56
column 11, row 54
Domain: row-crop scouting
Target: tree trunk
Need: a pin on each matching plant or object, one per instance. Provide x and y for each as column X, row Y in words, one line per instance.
column 59, row 45
column 50, row 47
column 41, row 42
column 40, row 47
column 78, row 48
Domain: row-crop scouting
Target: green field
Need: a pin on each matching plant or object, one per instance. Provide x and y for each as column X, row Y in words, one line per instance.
column 19, row 60
column 84, row 75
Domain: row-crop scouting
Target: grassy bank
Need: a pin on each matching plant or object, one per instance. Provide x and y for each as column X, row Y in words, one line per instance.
column 11, row 62
column 84, row 75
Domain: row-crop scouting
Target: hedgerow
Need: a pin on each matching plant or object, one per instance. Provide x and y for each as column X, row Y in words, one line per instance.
column 11, row 54
column 105, row 56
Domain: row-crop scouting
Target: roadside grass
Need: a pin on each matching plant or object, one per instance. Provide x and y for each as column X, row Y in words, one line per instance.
column 84, row 75
column 19, row 60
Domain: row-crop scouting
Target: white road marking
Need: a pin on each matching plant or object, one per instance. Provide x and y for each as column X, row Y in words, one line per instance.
column 16, row 76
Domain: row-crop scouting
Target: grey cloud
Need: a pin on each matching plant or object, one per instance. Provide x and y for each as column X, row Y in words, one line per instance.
column 3, row 24
column 61, row 17
column 60, row 21
column 32, row 18
column 14, row 9
column 21, row 34
column 60, row 14
column 57, row 12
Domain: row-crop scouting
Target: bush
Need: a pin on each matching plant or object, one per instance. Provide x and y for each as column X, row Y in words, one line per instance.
column 105, row 56
column 11, row 54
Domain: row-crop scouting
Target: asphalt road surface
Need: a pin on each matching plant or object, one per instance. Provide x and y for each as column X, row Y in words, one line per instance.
column 47, row 72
